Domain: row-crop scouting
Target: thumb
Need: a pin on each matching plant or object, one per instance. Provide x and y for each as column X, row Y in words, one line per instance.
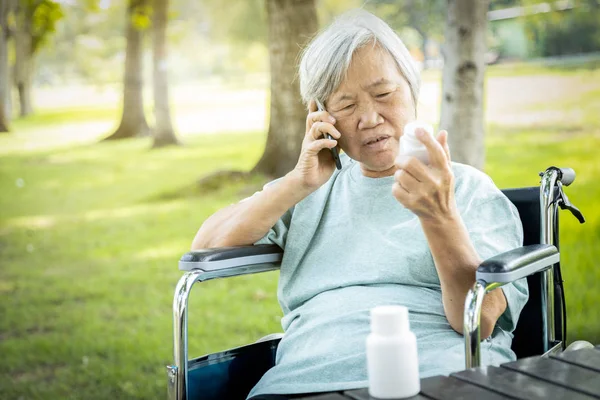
column 442, row 139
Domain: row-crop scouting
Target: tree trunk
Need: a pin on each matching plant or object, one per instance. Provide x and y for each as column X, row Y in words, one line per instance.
column 291, row 24
column 424, row 39
column 24, row 60
column 463, row 79
column 163, row 129
column 4, row 82
column 424, row 50
column 133, row 121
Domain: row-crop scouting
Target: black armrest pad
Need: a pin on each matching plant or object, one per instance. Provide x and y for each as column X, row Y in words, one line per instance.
column 518, row 263
column 227, row 253
column 228, row 257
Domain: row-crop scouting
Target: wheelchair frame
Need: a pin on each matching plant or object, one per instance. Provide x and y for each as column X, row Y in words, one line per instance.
column 204, row 265
column 550, row 200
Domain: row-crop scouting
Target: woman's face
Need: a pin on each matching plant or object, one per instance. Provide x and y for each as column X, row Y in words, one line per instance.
column 371, row 107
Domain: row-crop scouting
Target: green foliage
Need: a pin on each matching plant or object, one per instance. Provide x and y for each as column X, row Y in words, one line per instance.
column 415, row 21
column 225, row 39
column 568, row 31
column 44, row 15
column 90, row 5
column 424, row 16
column 327, row 10
column 141, row 14
column 238, row 21
column 88, row 43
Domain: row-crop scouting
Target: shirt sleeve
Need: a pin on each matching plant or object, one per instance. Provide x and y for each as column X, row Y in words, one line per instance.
column 495, row 227
column 278, row 232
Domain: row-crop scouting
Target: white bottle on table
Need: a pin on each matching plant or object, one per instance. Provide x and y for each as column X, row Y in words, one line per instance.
column 410, row 145
column 392, row 362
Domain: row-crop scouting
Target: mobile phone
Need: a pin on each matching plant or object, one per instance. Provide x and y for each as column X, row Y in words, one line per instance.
column 334, row 152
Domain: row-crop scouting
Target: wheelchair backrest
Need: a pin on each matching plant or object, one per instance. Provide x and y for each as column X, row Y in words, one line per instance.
column 529, row 339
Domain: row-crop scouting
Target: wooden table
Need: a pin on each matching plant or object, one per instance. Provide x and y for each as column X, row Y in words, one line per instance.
column 572, row 376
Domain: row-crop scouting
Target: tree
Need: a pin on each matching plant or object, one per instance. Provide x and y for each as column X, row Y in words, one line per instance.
column 163, row 129
column 4, row 76
column 133, row 121
column 35, row 21
column 462, row 80
column 291, row 24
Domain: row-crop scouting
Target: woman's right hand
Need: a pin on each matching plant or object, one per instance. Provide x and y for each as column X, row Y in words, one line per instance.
column 315, row 164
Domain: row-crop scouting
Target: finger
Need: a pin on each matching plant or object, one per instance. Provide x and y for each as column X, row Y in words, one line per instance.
column 317, row 116
column 437, row 156
column 442, row 138
column 318, row 145
column 406, row 181
column 400, row 194
column 319, row 129
column 312, row 107
column 414, row 166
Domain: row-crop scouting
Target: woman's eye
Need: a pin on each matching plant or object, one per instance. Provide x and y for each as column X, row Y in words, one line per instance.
column 346, row 108
column 383, row 95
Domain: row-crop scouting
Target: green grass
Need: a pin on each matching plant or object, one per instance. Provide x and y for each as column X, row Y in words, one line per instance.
column 89, row 266
column 60, row 115
column 513, row 161
column 530, row 68
column 568, row 68
column 90, row 236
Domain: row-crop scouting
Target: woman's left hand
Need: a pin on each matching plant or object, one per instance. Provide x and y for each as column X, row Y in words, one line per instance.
column 427, row 190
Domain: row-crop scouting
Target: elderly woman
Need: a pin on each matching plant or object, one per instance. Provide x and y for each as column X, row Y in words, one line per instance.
column 385, row 229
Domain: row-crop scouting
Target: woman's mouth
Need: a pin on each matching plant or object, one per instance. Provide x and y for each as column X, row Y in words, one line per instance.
column 376, row 143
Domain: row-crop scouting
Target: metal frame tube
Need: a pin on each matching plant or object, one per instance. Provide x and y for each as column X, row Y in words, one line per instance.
column 547, row 219
column 178, row 372
column 471, row 327
column 472, row 321
column 474, row 299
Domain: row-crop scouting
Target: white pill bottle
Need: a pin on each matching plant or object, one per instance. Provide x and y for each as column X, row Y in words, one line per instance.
column 410, row 145
column 392, row 362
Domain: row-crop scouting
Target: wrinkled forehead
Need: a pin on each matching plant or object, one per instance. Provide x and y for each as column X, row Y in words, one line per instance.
column 371, row 67
column 325, row 62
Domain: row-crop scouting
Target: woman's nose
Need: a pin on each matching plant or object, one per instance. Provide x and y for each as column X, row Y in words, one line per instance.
column 369, row 117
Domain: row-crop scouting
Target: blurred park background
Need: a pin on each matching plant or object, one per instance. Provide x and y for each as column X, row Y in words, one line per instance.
column 91, row 229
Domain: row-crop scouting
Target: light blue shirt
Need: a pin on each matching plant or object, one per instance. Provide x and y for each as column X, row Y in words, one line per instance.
column 351, row 246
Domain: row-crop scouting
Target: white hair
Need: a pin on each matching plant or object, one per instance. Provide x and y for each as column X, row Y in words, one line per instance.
column 326, row 59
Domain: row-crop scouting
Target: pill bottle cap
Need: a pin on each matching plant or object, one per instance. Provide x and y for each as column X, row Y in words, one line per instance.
column 389, row 320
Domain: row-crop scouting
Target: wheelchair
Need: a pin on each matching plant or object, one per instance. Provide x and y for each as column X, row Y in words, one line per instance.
column 541, row 329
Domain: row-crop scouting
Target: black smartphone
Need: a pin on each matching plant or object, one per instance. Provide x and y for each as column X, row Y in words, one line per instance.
column 334, row 152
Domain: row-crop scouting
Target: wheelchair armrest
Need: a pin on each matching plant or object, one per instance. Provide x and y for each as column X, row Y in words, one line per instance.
column 518, row 263
column 248, row 259
column 200, row 266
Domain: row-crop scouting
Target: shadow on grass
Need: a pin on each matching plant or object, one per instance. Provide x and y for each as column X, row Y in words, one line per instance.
column 239, row 183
